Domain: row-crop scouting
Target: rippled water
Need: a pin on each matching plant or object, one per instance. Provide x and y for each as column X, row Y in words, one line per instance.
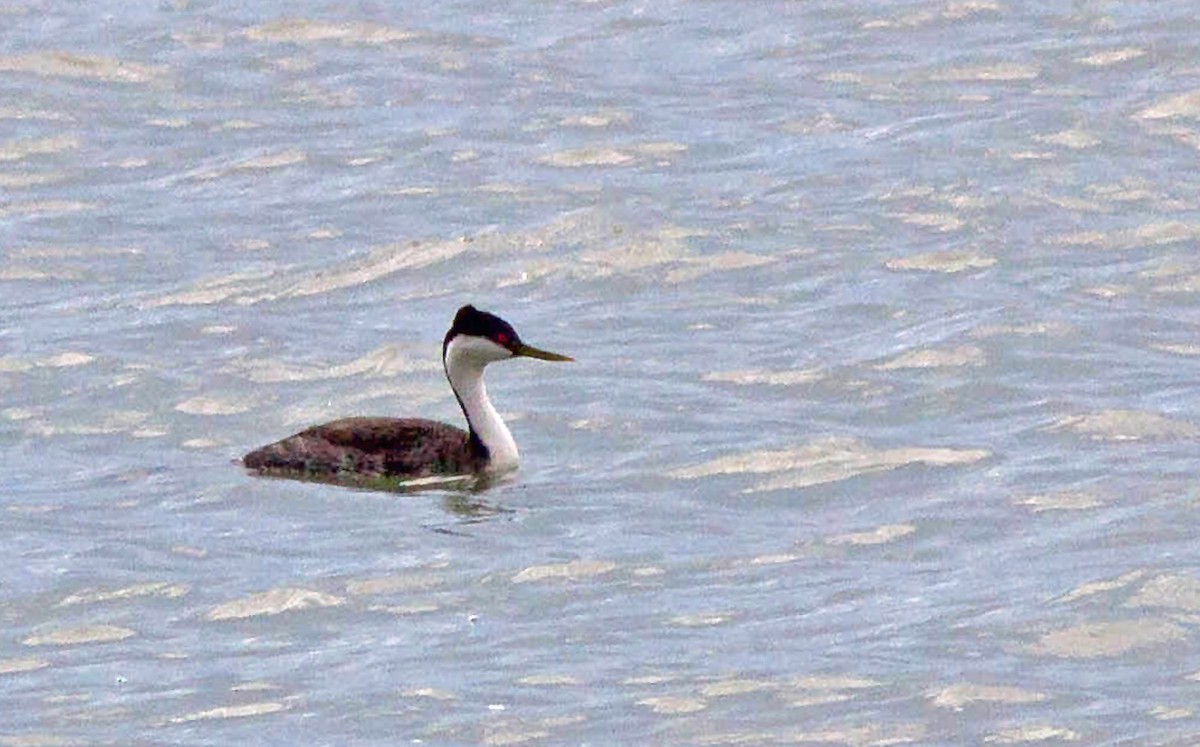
column 883, row 429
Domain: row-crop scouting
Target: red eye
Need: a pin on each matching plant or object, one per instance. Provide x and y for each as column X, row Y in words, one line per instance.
column 501, row 338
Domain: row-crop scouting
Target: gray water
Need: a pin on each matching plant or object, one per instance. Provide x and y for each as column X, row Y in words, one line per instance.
column 883, row 428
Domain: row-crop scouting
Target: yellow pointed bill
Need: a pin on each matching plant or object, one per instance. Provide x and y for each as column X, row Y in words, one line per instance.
column 529, row 351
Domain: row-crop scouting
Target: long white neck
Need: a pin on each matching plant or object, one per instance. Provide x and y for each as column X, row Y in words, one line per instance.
column 464, row 368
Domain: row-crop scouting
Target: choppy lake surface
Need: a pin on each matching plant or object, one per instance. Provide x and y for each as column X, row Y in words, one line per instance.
column 884, row 425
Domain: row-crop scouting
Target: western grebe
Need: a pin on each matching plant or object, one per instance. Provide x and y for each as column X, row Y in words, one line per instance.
column 413, row 447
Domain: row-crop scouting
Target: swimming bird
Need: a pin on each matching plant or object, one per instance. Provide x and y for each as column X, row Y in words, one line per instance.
column 373, row 447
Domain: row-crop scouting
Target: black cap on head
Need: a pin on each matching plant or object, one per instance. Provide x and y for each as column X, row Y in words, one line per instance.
column 471, row 321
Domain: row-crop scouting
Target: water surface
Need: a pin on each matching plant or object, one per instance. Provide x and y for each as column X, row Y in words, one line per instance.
column 883, row 425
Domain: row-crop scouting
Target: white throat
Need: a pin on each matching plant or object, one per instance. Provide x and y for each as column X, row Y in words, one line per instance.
column 464, row 361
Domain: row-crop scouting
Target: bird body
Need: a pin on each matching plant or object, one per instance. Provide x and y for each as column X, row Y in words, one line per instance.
column 380, row 447
column 371, row 447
